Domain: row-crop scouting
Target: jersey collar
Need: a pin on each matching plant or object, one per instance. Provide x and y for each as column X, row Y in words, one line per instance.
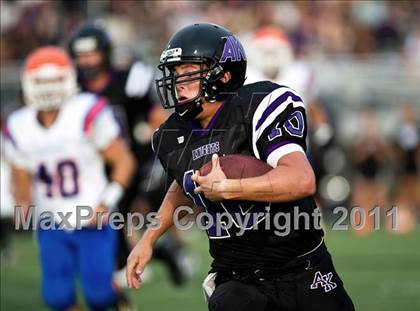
column 201, row 132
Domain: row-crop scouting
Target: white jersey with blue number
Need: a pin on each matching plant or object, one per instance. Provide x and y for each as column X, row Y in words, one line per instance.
column 64, row 159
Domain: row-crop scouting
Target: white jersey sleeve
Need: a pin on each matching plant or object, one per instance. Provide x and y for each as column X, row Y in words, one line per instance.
column 10, row 148
column 6, row 198
column 140, row 79
column 100, row 124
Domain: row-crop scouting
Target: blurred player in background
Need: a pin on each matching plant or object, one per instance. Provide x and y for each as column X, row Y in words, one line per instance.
column 271, row 57
column 58, row 145
column 132, row 95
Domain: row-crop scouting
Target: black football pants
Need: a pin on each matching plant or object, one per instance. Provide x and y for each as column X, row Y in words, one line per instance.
column 312, row 285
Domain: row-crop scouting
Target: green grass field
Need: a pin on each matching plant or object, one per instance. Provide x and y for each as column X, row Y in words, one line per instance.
column 381, row 272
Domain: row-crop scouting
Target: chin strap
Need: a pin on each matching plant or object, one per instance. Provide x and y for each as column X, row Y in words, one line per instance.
column 192, row 111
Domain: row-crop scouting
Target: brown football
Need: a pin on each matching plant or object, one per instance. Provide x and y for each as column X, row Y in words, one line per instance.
column 237, row 166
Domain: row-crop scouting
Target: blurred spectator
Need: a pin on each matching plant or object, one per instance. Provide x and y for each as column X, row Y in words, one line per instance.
column 411, row 55
column 327, row 159
column 369, row 154
column 313, row 26
column 407, row 195
column 37, row 23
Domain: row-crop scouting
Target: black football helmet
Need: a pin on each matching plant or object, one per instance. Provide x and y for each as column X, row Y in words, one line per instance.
column 216, row 50
column 88, row 38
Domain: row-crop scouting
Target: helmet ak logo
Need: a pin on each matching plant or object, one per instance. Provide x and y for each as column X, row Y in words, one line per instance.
column 232, row 50
column 324, row 281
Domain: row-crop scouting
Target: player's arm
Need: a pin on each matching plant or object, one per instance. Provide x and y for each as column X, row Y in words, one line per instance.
column 103, row 133
column 122, row 164
column 292, row 179
column 21, row 188
column 142, row 252
column 121, row 160
column 21, row 176
column 279, row 138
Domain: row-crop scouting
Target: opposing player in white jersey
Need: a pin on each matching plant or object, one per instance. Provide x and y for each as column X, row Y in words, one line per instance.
column 58, row 145
column 6, row 206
